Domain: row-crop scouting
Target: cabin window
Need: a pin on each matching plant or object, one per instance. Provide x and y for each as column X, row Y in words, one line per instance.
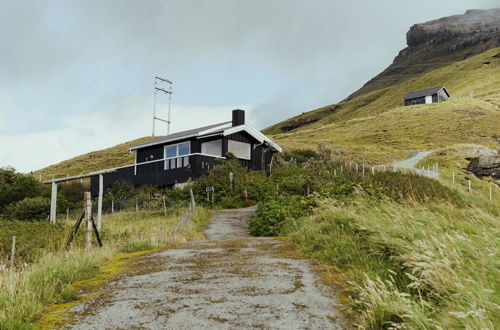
column 241, row 150
column 213, row 148
column 176, row 155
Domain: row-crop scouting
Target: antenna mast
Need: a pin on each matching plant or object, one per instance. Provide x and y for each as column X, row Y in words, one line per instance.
column 168, row 91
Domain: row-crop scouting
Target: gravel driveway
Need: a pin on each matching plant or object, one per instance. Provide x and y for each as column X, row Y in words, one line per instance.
column 229, row 281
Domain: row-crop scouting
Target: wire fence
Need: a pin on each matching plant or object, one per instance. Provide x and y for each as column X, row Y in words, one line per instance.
column 27, row 241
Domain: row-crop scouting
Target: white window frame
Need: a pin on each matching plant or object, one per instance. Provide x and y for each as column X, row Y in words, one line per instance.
column 167, row 159
column 246, row 144
column 206, row 153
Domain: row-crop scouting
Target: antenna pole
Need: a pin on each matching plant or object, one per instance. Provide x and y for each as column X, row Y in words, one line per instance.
column 165, row 91
column 169, row 108
column 154, row 106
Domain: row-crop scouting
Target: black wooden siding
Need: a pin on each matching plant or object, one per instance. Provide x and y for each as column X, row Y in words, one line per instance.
column 152, row 172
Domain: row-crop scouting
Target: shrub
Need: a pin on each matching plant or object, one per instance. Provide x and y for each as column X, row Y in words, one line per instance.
column 15, row 186
column 298, row 156
column 31, row 209
column 272, row 214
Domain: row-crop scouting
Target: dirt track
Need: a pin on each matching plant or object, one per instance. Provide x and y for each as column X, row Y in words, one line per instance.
column 229, row 281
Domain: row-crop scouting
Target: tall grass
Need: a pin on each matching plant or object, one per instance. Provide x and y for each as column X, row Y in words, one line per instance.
column 415, row 266
column 25, row 292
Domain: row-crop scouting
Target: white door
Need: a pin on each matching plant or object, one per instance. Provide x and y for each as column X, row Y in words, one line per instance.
column 428, row 99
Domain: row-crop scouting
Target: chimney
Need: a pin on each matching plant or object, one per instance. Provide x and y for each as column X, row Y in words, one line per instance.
column 238, row 117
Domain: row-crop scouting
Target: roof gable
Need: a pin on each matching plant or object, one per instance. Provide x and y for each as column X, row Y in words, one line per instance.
column 217, row 129
column 425, row 92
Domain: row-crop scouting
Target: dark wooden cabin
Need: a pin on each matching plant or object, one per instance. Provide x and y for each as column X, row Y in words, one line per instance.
column 427, row 96
column 178, row 157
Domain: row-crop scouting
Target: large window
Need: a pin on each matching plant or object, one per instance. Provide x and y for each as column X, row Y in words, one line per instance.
column 241, row 150
column 213, row 148
column 176, row 155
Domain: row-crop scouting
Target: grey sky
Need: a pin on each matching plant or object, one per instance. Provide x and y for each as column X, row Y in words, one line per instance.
column 76, row 76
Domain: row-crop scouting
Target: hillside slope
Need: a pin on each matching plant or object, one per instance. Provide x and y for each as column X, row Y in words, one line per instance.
column 378, row 127
column 92, row 161
column 431, row 46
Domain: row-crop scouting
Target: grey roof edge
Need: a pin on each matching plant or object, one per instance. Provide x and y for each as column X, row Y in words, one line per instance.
column 425, row 92
column 177, row 136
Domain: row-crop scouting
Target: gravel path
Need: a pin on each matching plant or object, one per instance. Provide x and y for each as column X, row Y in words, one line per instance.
column 230, row 281
column 414, row 158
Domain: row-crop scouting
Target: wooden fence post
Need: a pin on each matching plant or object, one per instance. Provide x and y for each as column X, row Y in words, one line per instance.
column 164, row 205
column 231, row 180
column 13, row 252
column 470, row 186
column 53, row 203
column 490, row 191
column 453, row 177
column 88, row 220
column 99, row 202
column 193, row 202
column 112, row 206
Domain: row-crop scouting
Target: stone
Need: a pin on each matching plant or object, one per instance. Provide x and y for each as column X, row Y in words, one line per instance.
column 485, row 166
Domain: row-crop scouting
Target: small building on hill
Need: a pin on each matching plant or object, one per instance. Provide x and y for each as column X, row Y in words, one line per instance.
column 178, row 157
column 426, row 96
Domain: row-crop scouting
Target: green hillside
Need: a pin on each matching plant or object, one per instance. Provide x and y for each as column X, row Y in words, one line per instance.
column 378, row 127
column 92, row 161
column 375, row 125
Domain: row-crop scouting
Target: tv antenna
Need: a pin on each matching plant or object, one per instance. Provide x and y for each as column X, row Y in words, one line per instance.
column 166, row 90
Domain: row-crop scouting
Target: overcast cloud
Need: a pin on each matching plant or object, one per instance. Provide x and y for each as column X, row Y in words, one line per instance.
column 76, row 76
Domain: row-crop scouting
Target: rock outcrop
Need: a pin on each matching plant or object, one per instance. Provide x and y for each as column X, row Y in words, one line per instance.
column 485, row 166
column 438, row 43
column 474, row 24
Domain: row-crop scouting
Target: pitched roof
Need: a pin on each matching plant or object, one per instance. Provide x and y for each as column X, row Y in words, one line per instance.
column 183, row 135
column 218, row 129
column 424, row 92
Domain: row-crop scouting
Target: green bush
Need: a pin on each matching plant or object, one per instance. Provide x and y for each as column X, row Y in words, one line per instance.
column 15, row 186
column 30, row 209
column 272, row 214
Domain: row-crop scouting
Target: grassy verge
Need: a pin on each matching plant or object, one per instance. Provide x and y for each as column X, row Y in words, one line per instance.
column 55, row 278
column 413, row 266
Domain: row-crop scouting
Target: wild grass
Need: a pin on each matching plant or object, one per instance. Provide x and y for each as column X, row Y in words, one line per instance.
column 453, row 163
column 409, row 265
column 377, row 127
column 26, row 291
column 33, row 239
column 93, row 161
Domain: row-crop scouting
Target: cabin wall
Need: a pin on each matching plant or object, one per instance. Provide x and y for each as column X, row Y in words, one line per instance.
column 153, row 172
column 442, row 96
column 417, row 100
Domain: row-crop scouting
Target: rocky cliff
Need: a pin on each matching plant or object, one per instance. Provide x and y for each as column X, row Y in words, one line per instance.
column 438, row 43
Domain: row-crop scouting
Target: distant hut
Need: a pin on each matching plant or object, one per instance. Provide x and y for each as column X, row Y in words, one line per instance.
column 426, row 96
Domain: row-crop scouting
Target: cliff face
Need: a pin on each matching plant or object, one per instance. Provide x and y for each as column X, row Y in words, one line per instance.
column 438, row 43
column 473, row 25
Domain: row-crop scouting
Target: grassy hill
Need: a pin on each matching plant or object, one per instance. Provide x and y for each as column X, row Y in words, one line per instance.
column 378, row 127
column 92, row 161
column 375, row 125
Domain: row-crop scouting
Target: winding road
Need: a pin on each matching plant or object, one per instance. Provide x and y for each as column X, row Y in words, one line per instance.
column 229, row 281
column 414, row 158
